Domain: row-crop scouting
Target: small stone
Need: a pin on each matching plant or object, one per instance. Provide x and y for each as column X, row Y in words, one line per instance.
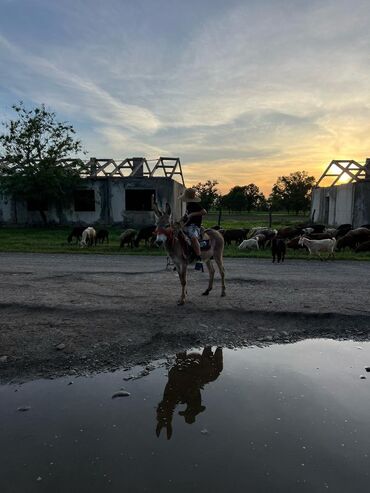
column 24, row 408
column 60, row 346
column 3, row 359
column 121, row 393
column 367, row 368
column 362, row 377
column 128, row 378
column 70, row 383
column 204, row 431
column 39, row 478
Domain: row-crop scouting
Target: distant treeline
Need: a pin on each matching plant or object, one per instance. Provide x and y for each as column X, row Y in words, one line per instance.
column 291, row 193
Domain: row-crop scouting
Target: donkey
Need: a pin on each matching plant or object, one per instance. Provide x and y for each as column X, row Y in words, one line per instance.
column 186, row 379
column 172, row 237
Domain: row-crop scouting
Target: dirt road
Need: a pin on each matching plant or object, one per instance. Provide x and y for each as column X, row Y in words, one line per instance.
column 112, row 311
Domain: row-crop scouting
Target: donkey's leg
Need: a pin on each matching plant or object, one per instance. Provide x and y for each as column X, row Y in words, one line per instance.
column 211, row 271
column 181, row 269
column 220, row 265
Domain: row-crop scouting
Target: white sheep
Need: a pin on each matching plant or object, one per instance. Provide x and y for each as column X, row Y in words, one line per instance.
column 88, row 237
column 316, row 247
column 250, row 244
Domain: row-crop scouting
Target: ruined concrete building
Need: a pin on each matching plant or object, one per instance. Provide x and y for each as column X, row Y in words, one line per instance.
column 114, row 192
column 342, row 194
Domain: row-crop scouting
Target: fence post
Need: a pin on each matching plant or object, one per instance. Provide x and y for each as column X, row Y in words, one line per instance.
column 270, row 218
column 219, row 217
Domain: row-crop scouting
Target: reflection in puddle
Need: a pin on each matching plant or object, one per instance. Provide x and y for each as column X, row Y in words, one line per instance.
column 186, row 379
column 284, row 418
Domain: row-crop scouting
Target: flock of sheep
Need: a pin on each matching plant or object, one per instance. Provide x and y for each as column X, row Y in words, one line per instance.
column 315, row 238
column 87, row 237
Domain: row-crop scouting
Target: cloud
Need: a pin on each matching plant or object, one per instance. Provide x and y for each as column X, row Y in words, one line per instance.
column 82, row 94
column 240, row 90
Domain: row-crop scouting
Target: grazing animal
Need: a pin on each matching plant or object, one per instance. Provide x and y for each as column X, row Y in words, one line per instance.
column 171, row 236
column 269, row 233
column 317, row 247
column 331, row 232
column 308, row 231
column 278, row 249
column 317, row 228
column 251, row 244
column 146, row 234
column 367, row 226
column 353, row 238
column 101, row 236
column 295, row 245
column 88, row 237
column 342, row 230
column 320, row 236
column 186, row 379
column 128, row 238
column 236, row 235
column 363, row 247
column 261, row 238
column 288, row 233
column 76, row 233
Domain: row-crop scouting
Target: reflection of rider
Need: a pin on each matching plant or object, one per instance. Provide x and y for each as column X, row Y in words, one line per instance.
column 194, row 214
column 185, row 381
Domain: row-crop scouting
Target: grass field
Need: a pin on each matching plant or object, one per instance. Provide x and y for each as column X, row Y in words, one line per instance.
column 54, row 240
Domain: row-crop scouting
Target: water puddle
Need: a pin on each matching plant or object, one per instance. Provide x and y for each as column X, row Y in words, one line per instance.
column 283, row 418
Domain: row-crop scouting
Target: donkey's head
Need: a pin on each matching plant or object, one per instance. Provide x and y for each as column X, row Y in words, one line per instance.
column 163, row 223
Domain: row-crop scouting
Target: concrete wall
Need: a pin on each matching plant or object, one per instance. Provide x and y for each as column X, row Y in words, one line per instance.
column 361, row 209
column 110, row 200
column 349, row 203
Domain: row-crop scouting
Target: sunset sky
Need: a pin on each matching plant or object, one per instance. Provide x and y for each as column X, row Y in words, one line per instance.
column 242, row 91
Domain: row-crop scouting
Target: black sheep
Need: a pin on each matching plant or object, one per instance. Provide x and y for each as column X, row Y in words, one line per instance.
column 278, row 249
column 76, row 233
column 101, row 236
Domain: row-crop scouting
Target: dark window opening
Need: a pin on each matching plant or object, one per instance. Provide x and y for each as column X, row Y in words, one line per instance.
column 84, row 200
column 37, row 204
column 139, row 200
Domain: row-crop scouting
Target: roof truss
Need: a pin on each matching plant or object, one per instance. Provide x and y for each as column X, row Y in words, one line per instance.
column 343, row 171
column 168, row 167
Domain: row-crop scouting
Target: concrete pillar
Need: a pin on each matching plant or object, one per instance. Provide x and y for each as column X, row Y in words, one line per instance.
column 93, row 166
column 367, row 169
column 138, row 166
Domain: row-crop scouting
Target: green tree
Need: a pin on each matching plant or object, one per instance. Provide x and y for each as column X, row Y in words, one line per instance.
column 33, row 146
column 292, row 192
column 245, row 197
column 208, row 193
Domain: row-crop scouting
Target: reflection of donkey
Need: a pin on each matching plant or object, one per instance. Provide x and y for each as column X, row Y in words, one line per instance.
column 185, row 381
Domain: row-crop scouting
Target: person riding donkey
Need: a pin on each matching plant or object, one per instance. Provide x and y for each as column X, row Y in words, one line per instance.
column 193, row 220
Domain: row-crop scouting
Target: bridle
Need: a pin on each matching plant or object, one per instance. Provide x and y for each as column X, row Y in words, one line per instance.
column 167, row 232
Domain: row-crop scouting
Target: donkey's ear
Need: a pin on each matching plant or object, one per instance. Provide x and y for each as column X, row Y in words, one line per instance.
column 155, row 208
column 168, row 209
column 169, row 431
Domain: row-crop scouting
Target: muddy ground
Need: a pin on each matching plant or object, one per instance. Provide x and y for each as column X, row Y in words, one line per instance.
column 116, row 311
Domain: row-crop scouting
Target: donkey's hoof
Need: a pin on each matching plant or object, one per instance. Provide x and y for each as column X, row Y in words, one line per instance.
column 206, row 293
column 181, row 302
column 223, row 294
